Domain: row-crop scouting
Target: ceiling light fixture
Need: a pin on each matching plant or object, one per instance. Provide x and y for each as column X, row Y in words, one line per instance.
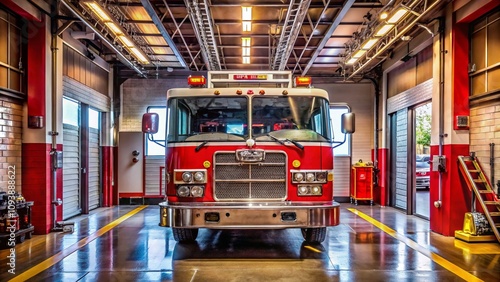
column 246, row 17
column 245, row 41
column 369, row 44
column 105, row 17
column 384, row 30
column 397, row 16
column 246, row 13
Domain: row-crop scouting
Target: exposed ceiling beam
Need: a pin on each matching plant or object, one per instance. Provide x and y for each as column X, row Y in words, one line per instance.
column 152, row 13
column 340, row 16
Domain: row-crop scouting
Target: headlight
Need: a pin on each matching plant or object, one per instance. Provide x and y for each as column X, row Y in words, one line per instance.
column 310, row 177
column 316, row 190
column 183, row 191
column 303, row 190
column 197, row 191
column 187, row 176
column 321, row 176
column 298, row 177
column 199, row 176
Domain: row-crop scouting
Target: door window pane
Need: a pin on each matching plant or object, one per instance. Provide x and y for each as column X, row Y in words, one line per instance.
column 93, row 119
column 70, row 112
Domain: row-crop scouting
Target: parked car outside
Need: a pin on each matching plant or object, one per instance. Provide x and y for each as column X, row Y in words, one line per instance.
column 423, row 173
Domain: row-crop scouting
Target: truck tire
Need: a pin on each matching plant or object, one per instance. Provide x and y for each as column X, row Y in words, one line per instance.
column 314, row 235
column 184, row 235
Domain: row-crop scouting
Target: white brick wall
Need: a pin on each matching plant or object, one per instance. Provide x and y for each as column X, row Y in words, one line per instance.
column 484, row 130
column 138, row 94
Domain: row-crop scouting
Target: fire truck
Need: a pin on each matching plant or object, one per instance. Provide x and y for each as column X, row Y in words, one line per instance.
column 247, row 150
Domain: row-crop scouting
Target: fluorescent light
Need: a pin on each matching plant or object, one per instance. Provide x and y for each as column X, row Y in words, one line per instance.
column 246, row 13
column 351, row 61
column 247, row 26
column 126, row 41
column 397, row 16
column 369, row 44
column 114, row 28
column 98, row 10
column 246, row 60
column 384, row 30
column 359, row 54
column 245, row 41
column 138, row 55
column 245, row 51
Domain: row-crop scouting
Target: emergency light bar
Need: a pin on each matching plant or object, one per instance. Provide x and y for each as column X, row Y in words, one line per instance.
column 196, row 80
column 303, row 81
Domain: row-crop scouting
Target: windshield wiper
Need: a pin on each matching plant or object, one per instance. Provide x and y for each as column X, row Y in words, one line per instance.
column 282, row 142
column 200, row 146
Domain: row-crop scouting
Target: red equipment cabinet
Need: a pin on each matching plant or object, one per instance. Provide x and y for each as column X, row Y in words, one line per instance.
column 362, row 183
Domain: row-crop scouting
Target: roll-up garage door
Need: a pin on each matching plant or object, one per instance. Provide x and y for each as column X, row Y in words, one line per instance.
column 401, row 179
column 71, row 171
column 94, row 176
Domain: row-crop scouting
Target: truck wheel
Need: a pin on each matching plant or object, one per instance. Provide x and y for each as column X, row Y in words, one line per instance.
column 185, row 235
column 21, row 238
column 314, row 235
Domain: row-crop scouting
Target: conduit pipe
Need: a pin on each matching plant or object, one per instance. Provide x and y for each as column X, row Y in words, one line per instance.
column 53, row 133
column 442, row 135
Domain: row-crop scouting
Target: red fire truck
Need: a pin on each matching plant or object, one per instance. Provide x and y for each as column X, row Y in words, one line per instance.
column 248, row 152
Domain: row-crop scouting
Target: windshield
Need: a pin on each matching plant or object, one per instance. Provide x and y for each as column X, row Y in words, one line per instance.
column 222, row 118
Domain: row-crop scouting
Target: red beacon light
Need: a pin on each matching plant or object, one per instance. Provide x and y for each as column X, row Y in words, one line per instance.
column 303, row 81
column 250, row 92
column 196, row 81
column 262, row 92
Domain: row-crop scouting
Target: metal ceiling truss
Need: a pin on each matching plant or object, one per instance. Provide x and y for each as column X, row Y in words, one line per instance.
column 379, row 52
column 297, row 11
column 109, row 39
column 201, row 19
column 178, row 30
column 158, row 23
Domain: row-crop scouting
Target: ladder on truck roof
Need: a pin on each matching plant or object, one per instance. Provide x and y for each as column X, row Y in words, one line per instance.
column 270, row 79
column 481, row 190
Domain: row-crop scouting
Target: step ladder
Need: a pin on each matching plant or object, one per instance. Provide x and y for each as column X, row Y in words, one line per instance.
column 482, row 191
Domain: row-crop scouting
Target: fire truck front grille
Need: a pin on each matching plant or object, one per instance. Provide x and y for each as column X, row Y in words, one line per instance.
column 246, row 181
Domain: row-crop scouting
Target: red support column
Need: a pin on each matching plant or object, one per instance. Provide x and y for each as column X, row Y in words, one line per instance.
column 107, row 178
column 455, row 201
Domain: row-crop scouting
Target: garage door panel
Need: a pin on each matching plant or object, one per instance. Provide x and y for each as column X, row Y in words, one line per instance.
column 71, row 171
column 94, row 169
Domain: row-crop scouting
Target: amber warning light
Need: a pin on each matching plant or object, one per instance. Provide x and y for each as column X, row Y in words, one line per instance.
column 196, row 80
column 303, row 81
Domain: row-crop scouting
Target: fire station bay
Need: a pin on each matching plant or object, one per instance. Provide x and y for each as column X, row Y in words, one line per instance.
column 256, row 140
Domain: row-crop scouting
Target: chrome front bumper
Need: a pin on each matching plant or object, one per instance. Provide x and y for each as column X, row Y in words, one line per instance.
column 249, row 215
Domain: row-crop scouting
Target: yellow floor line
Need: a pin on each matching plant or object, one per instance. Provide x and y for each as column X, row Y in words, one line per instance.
column 467, row 276
column 73, row 248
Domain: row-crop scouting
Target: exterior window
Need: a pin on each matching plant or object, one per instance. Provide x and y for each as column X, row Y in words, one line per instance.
column 152, row 147
column 11, row 50
column 336, row 112
column 485, row 59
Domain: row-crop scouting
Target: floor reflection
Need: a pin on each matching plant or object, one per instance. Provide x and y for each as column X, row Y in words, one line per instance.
column 263, row 255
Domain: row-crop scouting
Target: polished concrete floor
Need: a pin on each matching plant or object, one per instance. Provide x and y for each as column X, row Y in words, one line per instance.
column 372, row 243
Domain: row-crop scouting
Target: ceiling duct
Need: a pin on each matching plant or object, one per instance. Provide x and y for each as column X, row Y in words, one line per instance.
column 82, row 35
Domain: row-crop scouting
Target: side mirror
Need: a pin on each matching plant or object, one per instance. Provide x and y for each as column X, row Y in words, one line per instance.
column 150, row 123
column 348, row 123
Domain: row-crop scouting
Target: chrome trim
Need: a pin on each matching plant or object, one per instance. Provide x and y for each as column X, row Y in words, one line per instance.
column 259, row 215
